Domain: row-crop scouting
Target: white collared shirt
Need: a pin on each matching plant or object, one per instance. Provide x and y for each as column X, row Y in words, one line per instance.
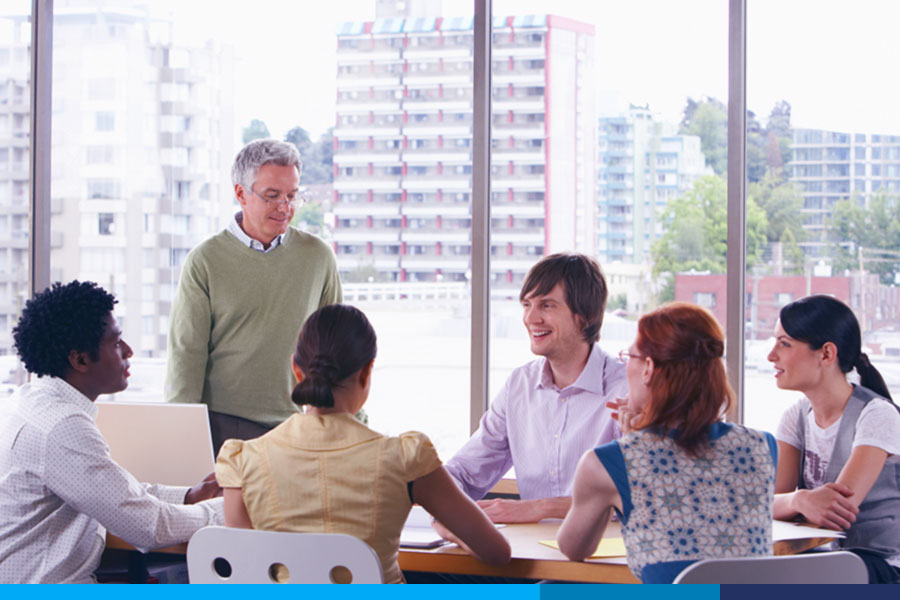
column 60, row 491
column 541, row 429
column 234, row 228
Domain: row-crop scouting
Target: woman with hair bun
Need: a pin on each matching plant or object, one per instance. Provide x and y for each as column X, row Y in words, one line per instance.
column 838, row 464
column 686, row 485
column 324, row 471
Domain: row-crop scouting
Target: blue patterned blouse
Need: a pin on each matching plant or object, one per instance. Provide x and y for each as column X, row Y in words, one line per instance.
column 678, row 509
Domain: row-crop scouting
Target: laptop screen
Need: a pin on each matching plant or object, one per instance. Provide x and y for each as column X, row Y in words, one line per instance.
column 158, row 442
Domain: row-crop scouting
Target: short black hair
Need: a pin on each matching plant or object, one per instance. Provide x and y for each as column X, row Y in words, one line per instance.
column 58, row 320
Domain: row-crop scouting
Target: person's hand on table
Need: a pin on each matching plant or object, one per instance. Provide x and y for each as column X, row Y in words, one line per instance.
column 206, row 489
column 827, row 506
column 502, row 510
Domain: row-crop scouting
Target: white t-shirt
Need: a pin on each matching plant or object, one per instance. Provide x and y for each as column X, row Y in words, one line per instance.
column 878, row 425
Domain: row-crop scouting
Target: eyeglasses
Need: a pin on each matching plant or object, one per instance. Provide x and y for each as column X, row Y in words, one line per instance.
column 625, row 356
column 275, row 199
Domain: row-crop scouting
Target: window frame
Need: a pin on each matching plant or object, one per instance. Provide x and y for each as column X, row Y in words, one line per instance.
column 40, row 161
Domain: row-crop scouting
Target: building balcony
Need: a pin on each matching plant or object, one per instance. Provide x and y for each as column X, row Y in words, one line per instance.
column 365, row 130
column 535, row 77
column 350, row 157
column 531, row 157
column 432, row 235
column 443, row 51
column 428, row 262
column 518, row 51
column 433, row 156
column 358, row 235
column 524, row 182
column 358, row 184
column 364, row 209
column 446, row 79
column 431, row 209
column 438, row 182
column 531, row 235
column 529, row 104
column 516, row 264
column 356, row 81
column 444, row 104
column 528, row 210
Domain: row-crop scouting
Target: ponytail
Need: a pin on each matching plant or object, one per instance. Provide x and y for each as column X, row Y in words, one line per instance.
column 869, row 377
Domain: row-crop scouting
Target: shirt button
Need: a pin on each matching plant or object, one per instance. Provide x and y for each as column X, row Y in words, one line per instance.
column 555, row 436
column 564, row 400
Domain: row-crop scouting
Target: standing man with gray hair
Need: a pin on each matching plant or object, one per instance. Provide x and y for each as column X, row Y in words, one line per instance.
column 242, row 297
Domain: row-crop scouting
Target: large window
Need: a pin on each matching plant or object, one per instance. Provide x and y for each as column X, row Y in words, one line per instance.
column 608, row 136
column 823, row 169
column 603, row 142
column 15, row 123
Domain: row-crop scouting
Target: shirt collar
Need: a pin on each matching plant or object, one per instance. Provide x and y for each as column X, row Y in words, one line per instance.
column 326, row 432
column 234, row 227
column 64, row 392
column 592, row 378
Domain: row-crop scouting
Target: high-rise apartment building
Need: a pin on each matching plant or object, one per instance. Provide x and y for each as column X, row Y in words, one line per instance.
column 829, row 166
column 643, row 164
column 143, row 138
column 403, row 162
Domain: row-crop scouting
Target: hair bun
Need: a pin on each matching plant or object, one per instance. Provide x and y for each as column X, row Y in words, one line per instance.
column 707, row 349
column 324, row 368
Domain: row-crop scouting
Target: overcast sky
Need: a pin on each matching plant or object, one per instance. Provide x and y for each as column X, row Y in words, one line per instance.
column 835, row 61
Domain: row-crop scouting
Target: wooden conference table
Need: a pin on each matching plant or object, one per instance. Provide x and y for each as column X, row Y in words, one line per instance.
column 529, row 558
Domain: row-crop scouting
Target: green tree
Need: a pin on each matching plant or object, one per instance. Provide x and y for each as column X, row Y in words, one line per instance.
column 874, row 227
column 708, row 120
column 791, row 253
column 317, row 157
column 778, row 129
column 696, row 233
column 255, row 130
column 781, row 201
column 309, row 217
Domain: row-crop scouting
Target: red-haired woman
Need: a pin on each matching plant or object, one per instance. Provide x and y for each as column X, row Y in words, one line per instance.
column 686, row 485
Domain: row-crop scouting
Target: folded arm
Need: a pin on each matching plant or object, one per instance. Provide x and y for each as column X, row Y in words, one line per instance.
column 835, row 504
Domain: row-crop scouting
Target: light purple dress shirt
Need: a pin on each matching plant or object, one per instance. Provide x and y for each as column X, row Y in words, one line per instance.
column 541, row 429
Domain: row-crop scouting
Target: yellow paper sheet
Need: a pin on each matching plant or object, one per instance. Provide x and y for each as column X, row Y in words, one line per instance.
column 608, row 547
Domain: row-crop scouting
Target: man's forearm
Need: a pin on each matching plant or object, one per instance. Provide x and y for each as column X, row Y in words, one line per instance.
column 554, row 508
column 501, row 510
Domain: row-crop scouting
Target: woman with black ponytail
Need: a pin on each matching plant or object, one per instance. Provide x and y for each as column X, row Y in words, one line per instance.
column 324, row 471
column 838, row 447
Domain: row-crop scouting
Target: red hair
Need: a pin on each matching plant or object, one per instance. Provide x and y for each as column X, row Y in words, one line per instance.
column 689, row 390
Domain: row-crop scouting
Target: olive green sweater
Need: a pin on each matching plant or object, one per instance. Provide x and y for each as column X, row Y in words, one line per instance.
column 235, row 320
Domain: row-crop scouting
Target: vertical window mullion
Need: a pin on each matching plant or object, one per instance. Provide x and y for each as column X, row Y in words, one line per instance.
column 39, row 159
column 737, row 177
column 481, row 218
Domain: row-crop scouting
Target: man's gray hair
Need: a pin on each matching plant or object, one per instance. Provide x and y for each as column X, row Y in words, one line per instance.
column 262, row 152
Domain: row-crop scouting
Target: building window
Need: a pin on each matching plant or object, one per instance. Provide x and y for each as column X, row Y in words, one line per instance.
column 705, row 299
column 106, row 224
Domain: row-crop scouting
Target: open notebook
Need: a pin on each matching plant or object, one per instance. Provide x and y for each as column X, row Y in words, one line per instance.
column 158, row 442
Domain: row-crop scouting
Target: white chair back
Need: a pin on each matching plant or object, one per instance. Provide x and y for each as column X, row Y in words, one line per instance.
column 229, row 555
column 816, row 567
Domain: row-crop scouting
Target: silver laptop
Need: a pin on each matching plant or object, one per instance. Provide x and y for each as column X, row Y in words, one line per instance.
column 158, row 442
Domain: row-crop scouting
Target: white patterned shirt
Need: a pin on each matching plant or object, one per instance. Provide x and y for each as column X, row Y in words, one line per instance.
column 234, row 228
column 60, row 491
